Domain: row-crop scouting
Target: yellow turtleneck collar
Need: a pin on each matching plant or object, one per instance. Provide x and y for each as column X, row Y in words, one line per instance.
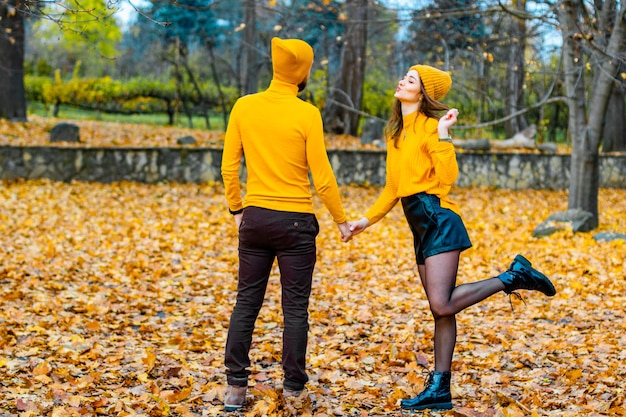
column 283, row 87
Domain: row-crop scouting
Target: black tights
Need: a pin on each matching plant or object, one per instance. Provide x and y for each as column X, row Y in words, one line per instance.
column 438, row 276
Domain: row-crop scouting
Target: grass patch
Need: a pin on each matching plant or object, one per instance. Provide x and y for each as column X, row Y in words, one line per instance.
column 73, row 113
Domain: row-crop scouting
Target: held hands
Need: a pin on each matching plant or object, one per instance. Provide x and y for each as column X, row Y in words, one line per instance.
column 346, row 233
column 351, row 229
column 358, row 226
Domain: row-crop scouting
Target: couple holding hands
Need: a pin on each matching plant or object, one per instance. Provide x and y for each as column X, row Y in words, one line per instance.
column 282, row 140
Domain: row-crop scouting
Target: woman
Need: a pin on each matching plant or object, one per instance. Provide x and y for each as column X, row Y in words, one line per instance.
column 421, row 169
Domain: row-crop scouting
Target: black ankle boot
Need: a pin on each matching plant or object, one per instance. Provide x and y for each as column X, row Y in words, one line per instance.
column 522, row 276
column 435, row 396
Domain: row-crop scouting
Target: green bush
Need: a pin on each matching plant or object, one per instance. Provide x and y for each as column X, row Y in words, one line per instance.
column 137, row 96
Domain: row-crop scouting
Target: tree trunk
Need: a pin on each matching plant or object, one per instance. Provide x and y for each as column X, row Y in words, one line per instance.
column 341, row 111
column 216, row 79
column 582, row 167
column 12, row 92
column 482, row 84
column 553, row 125
column 249, row 69
column 514, row 99
column 586, row 129
column 201, row 102
column 180, row 93
column 614, row 139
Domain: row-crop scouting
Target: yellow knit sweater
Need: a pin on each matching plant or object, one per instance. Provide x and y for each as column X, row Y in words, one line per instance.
column 420, row 163
column 282, row 138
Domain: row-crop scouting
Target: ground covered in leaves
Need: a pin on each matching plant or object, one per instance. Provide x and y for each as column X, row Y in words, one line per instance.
column 36, row 132
column 115, row 301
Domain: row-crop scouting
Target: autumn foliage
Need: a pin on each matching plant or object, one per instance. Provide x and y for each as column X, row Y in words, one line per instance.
column 115, row 301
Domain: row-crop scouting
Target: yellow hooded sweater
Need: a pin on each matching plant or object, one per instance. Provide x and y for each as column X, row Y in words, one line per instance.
column 420, row 163
column 282, row 138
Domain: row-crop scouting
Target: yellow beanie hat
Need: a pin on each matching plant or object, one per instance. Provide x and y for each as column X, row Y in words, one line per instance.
column 291, row 60
column 435, row 82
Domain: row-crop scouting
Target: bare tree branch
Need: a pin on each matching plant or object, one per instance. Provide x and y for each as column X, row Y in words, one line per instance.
column 146, row 16
column 525, row 15
column 512, row 115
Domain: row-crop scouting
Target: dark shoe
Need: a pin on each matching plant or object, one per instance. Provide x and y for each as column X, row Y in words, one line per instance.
column 296, row 402
column 235, row 397
column 522, row 276
column 435, row 396
column 288, row 393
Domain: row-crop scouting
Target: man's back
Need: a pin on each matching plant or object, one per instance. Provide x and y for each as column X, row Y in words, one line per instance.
column 275, row 126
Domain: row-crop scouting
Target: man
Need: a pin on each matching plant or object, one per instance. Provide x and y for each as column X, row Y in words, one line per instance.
column 282, row 139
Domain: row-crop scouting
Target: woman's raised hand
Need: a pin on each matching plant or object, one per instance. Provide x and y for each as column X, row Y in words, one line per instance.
column 447, row 121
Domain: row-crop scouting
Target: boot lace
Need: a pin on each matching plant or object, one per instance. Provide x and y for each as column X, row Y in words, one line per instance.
column 519, row 297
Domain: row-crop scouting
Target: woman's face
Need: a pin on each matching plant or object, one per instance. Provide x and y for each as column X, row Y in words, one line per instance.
column 409, row 88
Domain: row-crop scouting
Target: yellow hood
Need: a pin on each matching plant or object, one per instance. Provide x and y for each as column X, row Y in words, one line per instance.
column 291, row 60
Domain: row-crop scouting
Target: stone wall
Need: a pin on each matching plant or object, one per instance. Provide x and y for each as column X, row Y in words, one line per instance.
column 199, row 165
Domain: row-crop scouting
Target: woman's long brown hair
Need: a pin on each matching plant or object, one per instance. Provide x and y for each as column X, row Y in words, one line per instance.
column 427, row 105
